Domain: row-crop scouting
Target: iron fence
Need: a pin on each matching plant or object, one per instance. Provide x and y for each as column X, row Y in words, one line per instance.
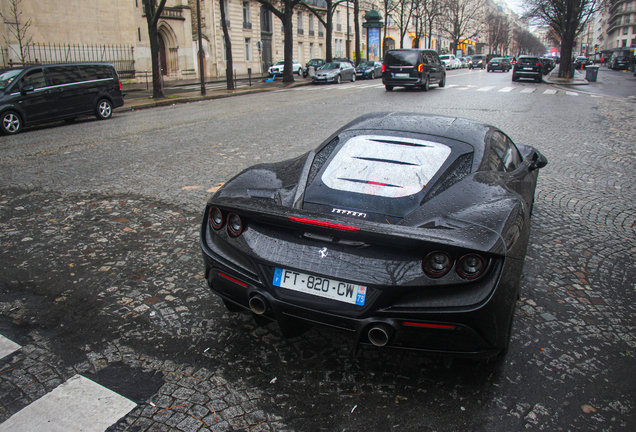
column 121, row 56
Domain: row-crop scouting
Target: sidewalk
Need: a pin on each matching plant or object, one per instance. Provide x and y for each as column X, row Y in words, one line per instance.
column 578, row 79
column 137, row 96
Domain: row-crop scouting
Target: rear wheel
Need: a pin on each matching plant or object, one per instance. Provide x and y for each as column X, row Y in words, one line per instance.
column 514, row 77
column 426, row 84
column 388, row 87
column 442, row 82
column 11, row 123
column 104, row 109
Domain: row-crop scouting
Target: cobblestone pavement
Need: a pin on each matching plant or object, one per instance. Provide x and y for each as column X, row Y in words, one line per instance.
column 94, row 280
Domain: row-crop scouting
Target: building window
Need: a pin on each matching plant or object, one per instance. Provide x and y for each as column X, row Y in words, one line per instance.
column 247, row 22
column 248, row 49
column 311, row 24
column 226, row 9
column 300, row 52
column 300, row 24
column 624, row 43
column 625, row 29
column 338, row 25
column 311, row 50
column 224, row 50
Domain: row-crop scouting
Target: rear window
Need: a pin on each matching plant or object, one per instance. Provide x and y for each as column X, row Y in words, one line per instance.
column 497, row 60
column 385, row 166
column 529, row 60
column 401, row 58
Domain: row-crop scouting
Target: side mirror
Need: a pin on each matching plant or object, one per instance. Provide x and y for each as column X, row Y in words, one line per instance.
column 27, row 89
column 538, row 161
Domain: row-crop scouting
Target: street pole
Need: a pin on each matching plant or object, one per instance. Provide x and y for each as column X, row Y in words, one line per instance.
column 348, row 42
column 201, row 53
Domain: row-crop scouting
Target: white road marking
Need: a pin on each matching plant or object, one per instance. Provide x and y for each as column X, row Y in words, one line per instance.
column 506, row 89
column 528, row 90
column 485, row 89
column 77, row 405
column 7, row 346
column 452, row 85
column 550, row 92
column 569, row 93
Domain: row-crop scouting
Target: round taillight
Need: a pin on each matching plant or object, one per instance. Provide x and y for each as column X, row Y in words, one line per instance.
column 216, row 218
column 471, row 266
column 234, row 225
column 437, row 264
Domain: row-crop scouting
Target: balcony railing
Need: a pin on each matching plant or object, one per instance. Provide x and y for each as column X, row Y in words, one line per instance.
column 311, row 32
column 339, row 27
column 301, row 31
column 247, row 25
column 227, row 22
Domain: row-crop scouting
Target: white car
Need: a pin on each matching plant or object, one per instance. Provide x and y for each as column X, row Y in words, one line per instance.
column 449, row 61
column 280, row 66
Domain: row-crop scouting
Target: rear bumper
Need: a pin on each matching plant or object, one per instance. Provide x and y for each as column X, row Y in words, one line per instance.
column 476, row 331
column 406, row 82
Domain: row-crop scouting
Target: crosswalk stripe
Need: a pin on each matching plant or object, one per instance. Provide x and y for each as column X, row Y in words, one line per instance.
column 528, row 90
column 550, row 92
column 569, row 93
column 77, row 405
column 506, row 89
column 7, row 346
column 452, row 85
column 485, row 89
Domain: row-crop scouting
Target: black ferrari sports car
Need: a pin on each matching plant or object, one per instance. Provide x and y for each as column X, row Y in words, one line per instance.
column 407, row 230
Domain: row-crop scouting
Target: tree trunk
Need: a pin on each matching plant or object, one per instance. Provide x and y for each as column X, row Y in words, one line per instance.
column 329, row 31
column 152, row 15
column 229, row 66
column 288, row 72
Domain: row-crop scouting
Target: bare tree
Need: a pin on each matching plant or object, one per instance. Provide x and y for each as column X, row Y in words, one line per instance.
column 326, row 18
column 567, row 18
column 153, row 13
column 497, row 32
column 402, row 15
column 527, row 43
column 461, row 20
column 430, row 11
column 285, row 15
column 19, row 30
column 228, row 47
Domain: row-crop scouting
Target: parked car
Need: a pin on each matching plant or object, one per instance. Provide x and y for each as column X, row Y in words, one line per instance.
column 498, row 63
column 548, row 64
column 405, row 230
column 581, row 61
column 449, row 61
column 370, row 70
column 528, row 67
column 45, row 93
column 335, row 72
column 412, row 68
column 619, row 63
column 316, row 63
column 477, row 61
column 279, row 67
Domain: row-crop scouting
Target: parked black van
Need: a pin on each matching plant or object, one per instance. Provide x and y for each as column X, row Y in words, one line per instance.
column 412, row 68
column 44, row 93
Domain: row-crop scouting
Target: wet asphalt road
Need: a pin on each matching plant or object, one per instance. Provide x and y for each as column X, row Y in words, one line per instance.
column 102, row 275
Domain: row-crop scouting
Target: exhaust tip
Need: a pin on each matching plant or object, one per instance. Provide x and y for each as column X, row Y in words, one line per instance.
column 380, row 334
column 258, row 305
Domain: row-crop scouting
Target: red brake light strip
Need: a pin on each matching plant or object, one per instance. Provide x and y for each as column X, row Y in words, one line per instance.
column 243, row 284
column 325, row 224
column 438, row 326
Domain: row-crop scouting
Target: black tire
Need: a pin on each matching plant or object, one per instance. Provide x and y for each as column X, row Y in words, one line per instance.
column 372, row 76
column 514, row 77
column 388, row 87
column 104, row 109
column 11, row 123
column 338, row 79
column 442, row 82
column 353, row 77
column 539, row 79
column 300, row 71
column 426, row 84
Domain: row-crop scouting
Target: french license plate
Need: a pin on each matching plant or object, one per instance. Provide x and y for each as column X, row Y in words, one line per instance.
column 401, row 75
column 322, row 287
column 495, row 64
column 527, row 68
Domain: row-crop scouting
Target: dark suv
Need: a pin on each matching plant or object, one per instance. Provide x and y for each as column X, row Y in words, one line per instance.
column 44, row 93
column 528, row 67
column 477, row 61
column 412, row 68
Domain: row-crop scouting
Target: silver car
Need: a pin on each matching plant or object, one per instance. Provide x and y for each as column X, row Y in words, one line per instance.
column 335, row 72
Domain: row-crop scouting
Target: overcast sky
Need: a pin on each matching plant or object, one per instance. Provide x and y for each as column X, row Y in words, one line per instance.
column 516, row 5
